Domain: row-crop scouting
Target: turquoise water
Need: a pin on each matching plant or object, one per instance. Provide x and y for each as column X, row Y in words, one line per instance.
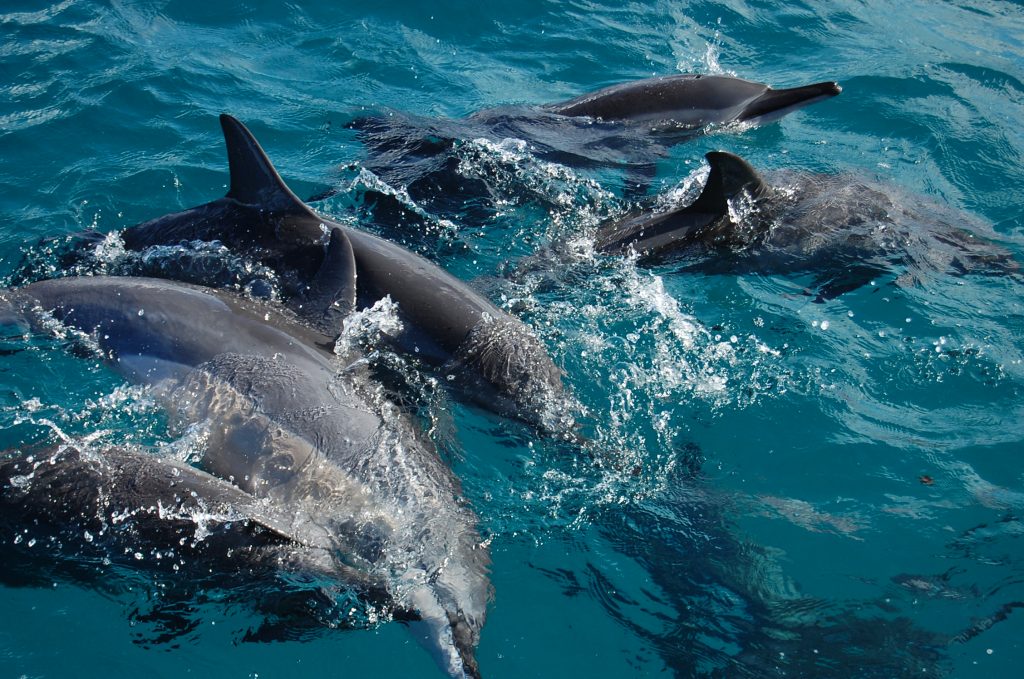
column 783, row 487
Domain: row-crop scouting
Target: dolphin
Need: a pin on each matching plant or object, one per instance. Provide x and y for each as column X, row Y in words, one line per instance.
column 295, row 427
column 693, row 101
column 845, row 229
column 73, row 511
column 625, row 126
column 501, row 362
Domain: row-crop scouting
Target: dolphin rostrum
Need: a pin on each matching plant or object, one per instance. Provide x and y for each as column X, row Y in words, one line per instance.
column 845, row 229
column 297, row 428
column 501, row 361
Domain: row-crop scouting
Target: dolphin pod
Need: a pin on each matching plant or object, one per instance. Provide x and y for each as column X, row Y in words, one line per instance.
column 844, row 229
column 306, row 466
column 341, row 468
column 501, row 361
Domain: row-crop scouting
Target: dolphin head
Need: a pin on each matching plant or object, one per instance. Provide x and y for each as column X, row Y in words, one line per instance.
column 451, row 605
column 518, row 375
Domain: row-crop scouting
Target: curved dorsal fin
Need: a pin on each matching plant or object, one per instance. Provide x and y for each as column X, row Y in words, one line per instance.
column 730, row 175
column 332, row 293
column 730, row 178
column 254, row 181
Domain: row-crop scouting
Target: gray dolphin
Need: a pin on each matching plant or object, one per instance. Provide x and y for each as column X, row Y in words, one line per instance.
column 845, row 229
column 693, row 101
column 506, row 365
column 297, row 428
column 628, row 126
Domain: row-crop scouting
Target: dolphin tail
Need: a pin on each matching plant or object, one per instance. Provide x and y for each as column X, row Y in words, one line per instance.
column 774, row 104
column 729, row 177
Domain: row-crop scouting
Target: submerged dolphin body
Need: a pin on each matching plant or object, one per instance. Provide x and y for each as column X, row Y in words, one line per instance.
column 297, row 429
column 73, row 512
column 446, row 319
column 844, row 229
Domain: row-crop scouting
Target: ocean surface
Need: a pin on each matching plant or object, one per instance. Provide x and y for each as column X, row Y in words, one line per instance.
column 774, row 485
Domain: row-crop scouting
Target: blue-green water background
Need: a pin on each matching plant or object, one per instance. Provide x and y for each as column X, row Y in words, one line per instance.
column 815, row 423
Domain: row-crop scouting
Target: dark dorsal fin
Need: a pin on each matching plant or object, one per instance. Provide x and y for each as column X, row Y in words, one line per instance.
column 332, row 293
column 730, row 175
column 254, row 181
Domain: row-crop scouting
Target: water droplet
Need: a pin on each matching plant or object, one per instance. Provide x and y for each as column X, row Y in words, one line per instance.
column 824, row 325
column 142, row 312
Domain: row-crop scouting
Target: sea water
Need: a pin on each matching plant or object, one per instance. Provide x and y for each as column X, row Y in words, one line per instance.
column 775, row 487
